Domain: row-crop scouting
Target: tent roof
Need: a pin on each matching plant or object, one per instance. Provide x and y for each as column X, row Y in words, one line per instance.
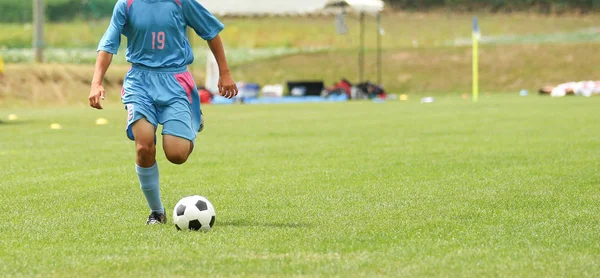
column 263, row 7
column 287, row 7
column 367, row 6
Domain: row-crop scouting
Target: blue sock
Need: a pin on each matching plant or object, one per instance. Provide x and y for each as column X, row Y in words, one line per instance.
column 149, row 183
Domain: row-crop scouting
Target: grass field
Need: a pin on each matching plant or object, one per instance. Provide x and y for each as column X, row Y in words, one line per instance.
column 401, row 29
column 504, row 188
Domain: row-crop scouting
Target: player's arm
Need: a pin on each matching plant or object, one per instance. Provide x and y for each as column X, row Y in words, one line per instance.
column 208, row 28
column 227, row 86
column 108, row 46
column 97, row 92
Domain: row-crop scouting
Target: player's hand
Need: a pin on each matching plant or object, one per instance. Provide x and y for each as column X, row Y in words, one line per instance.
column 227, row 87
column 96, row 95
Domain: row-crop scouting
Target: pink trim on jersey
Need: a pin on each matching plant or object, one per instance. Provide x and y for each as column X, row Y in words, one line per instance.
column 187, row 83
column 178, row 2
column 129, row 2
column 122, row 91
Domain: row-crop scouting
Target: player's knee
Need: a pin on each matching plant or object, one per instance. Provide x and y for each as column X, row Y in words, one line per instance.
column 177, row 157
column 145, row 151
column 177, row 150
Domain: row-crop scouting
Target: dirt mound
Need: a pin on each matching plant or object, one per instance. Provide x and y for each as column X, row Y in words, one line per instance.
column 51, row 84
column 54, row 83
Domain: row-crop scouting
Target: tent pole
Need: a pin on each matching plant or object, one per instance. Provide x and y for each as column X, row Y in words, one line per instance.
column 38, row 31
column 379, row 71
column 361, row 53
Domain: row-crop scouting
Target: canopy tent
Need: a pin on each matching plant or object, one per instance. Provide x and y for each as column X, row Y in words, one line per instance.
column 362, row 7
column 263, row 7
column 306, row 7
column 288, row 7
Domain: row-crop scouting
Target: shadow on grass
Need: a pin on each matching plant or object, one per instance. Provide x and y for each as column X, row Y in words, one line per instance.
column 6, row 123
column 242, row 223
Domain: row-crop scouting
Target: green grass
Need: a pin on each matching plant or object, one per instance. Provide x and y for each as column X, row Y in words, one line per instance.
column 418, row 72
column 437, row 70
column 506, row 187
column 519, row 51
column 401, row 30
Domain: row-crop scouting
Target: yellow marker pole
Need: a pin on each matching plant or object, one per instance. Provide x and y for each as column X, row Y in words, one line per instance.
column 475, row 68
column 475, row 60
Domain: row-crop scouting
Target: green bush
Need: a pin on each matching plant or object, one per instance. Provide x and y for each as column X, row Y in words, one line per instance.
column 64, row 10
column 545, row 6
column 56, row 10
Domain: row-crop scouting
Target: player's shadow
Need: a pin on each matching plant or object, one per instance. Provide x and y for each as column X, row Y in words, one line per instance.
column 242, row 223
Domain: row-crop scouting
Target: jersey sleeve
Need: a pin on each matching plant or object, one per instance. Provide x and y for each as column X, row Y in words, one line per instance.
column 201, row 20
column 111, row 40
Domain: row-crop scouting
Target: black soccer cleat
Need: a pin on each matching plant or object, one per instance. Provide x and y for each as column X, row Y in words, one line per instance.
column 156, row 218
column 201, row 122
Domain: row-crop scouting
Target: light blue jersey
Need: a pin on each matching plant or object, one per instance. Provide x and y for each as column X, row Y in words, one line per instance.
column 156, row 31
column 158, row 87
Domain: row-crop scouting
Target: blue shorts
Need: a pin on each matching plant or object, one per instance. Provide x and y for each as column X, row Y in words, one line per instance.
column 163, row 96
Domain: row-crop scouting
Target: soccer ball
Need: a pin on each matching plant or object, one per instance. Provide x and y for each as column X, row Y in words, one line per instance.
column 195, row 213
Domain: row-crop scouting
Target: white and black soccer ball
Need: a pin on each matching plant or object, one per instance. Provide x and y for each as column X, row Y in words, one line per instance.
column 194, row 213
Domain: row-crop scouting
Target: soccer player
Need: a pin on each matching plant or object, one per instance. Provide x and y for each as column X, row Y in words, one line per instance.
column 158, row 89
column 582, row 88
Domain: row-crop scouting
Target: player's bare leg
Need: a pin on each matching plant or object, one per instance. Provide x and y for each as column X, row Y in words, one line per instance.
column 147, row 169
column 177, row 149
column 145, row 148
